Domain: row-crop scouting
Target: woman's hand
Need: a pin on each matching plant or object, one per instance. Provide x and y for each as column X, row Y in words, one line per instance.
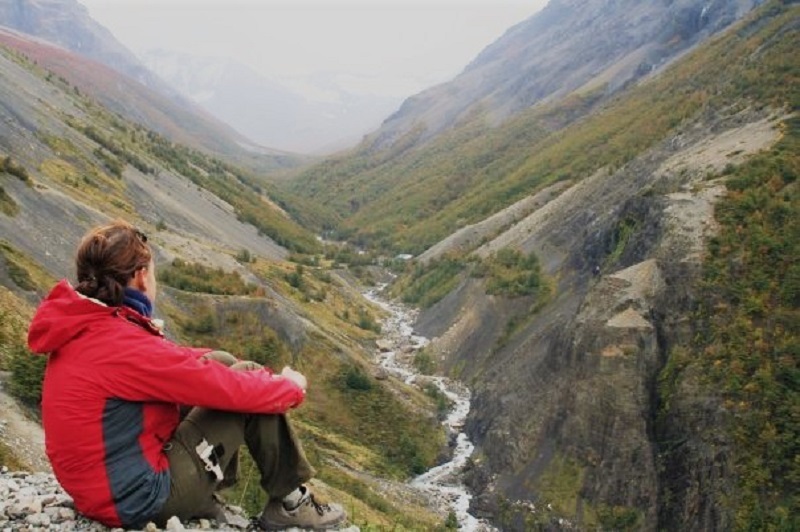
column 295, row 376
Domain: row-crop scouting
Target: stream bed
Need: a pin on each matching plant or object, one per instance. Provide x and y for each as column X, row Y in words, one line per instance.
column 397, row 347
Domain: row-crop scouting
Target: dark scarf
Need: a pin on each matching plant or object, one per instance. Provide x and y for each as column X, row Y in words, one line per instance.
column 138, row 301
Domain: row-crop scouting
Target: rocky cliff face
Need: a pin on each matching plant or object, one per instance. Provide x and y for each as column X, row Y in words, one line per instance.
column 565, row 405
column 570, row 45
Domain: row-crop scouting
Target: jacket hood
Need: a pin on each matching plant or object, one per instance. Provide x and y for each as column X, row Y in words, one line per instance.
column 63, row 315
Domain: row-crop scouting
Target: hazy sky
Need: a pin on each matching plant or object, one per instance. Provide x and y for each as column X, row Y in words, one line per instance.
column 387, row 47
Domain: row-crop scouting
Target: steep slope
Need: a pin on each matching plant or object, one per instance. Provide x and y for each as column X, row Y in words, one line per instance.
column 62, row 37
column 569, row 45
column 221, row 242
column 651, row 384
column 441, row 163
column 67, row 23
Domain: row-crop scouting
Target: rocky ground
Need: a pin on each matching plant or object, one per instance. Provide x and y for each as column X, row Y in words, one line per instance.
column 33, row 501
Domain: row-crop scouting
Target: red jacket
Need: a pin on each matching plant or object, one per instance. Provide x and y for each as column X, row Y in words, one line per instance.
column 110, row 400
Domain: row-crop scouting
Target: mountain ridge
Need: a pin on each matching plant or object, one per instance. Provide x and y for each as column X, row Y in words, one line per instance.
column 68, row 42
column 527, row 64
column 613, row 275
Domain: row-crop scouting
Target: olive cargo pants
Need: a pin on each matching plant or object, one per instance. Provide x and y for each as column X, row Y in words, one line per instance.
column 270, row 439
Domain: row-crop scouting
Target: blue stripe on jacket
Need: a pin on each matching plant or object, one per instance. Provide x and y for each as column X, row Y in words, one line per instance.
column 138, row 490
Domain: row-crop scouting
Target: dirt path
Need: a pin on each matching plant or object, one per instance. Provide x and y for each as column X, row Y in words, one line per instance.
column 23, row 435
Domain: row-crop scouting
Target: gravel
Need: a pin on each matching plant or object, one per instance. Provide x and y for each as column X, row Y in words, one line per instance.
column 35, row 502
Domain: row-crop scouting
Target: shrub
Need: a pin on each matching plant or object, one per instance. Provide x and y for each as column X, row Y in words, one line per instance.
column 424, row 363
column 8, row 206
column 193, row 277
column 428, row 283
column 244, row 256
column 512, row 274
column 10, row 167
column 356, row 379
column 27, row 374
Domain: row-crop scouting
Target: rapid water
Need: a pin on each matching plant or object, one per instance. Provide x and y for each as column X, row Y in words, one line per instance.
column 443, row 483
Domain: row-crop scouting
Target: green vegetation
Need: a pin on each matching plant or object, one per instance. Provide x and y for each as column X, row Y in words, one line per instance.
column 510, row 273
column 114, row 155
column 423, row 362
column 194, row 277
column 443, row 403
column 748, row 342
column 10, row 167
column 27, row 374
column 405, row 200
column 560, row 484
column 18, row 274
column 619, row 518
column 404, row 453
column 427, row 283
column 8, row 206
column 26, row 370
column 506, row 273
column 354, row 378
column 620, row 237
column 233, row 185
column 23, row 271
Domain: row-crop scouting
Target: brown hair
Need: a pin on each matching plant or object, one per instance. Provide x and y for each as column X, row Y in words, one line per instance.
column 107, row 259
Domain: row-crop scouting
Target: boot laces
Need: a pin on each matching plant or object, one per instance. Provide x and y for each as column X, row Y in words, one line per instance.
column 320, row 508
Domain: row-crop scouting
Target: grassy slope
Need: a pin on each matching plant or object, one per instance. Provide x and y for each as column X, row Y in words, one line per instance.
column 747, row 327
column 373, row 429
column 409, row 199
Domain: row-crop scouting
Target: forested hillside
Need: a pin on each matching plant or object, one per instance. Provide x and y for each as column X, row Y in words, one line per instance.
column 616, row 279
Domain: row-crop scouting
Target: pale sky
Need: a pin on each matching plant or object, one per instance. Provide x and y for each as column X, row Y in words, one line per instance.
column 387, row 47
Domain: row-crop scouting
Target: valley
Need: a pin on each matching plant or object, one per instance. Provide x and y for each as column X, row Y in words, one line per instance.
column 589, row 238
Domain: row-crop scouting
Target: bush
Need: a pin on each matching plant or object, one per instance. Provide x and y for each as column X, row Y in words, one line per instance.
column 424, row 363
column 244, row 256
column 193, row 277
column 27, row 374
column 8, row 206
column 10, row 167
column 356, row 379
column 428, row 283
column 512, row 274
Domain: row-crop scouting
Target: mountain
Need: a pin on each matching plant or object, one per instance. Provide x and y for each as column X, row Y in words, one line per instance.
column 60, row 35
column 269, row 112
column 223, row 245
column 613, row 271
column 397, row 182
column 67, row 23
column 605, row 237
column 571, row 45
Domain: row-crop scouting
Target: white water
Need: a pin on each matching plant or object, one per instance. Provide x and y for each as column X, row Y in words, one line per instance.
column 444, row 482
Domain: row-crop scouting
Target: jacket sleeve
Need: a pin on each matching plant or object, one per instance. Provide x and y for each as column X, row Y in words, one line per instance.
column 151, row 368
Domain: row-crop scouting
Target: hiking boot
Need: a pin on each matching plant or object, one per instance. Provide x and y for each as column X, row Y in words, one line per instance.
column 309, row 514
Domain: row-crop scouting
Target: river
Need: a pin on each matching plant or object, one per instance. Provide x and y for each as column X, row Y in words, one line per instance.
column 444, row 482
